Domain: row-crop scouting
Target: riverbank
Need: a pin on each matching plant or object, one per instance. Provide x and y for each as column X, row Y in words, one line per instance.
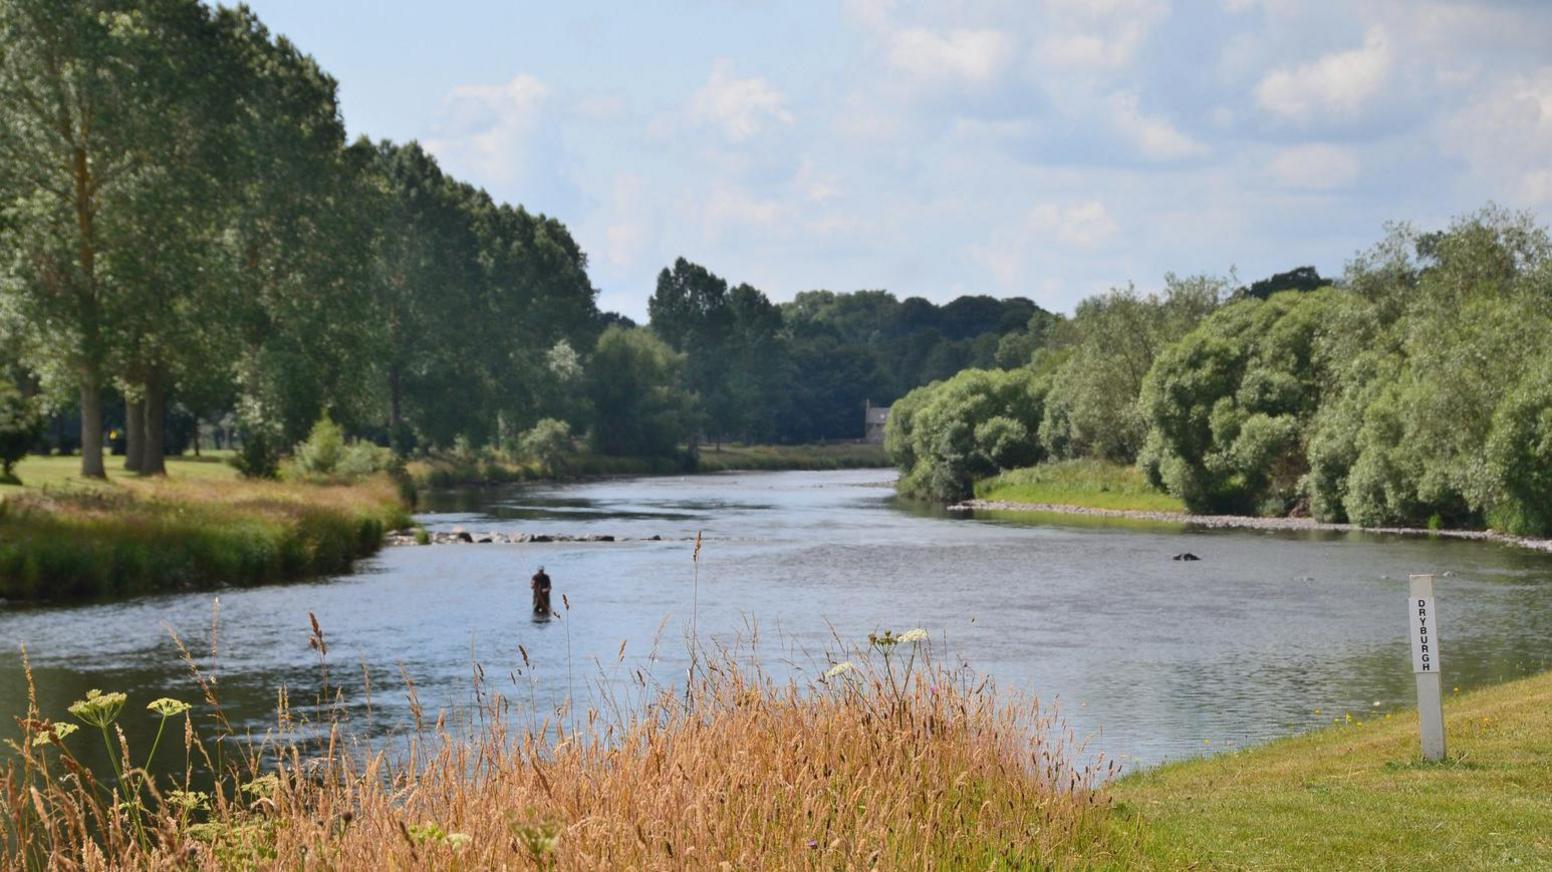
column 62, row 538
column 1088, row 484
column 1245, row 522
column 1357, row 795
column 452, row 471
column 888, row 761
column 1098, row 490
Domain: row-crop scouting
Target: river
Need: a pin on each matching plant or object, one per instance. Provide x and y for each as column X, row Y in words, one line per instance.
column 1145, row 657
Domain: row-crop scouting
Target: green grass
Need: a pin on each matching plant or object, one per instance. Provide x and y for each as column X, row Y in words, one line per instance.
column 1092, row 484
column 1357, row 796
column 848, row 455
column 199, row 528
column 55, row 472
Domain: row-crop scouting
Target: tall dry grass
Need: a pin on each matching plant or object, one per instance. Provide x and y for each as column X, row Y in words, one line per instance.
column 891, row 761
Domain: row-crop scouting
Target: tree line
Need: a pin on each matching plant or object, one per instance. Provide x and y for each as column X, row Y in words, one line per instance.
column 186, row 233
column 1414, row 390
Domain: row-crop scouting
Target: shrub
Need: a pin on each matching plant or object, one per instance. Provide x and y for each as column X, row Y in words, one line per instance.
column 946, row 435
column 548, row 442
column 327, row 455
column 20, row 425
column 259, row 455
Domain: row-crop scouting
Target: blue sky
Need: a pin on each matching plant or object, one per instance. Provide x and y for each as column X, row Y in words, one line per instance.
column 1046, row 148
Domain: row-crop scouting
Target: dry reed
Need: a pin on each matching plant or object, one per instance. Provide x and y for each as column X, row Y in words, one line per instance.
column 890, row 761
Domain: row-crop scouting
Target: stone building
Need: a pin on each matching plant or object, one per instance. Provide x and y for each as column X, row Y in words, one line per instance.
column 874, row 418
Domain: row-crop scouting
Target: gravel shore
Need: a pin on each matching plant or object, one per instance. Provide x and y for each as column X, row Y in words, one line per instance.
column 1242, row 522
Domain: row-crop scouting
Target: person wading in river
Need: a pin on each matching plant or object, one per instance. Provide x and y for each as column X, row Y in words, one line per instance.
column 541, row 593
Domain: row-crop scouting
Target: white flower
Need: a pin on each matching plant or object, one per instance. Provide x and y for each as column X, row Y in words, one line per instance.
column 839, row 669
column 914, row 636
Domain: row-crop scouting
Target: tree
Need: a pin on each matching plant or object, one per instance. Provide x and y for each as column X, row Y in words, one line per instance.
column 20, row 427
column 690, row 310
column 1112, row 341
column 639, row 406
column 1229, row 406
column 946, row 435
column 94, row 100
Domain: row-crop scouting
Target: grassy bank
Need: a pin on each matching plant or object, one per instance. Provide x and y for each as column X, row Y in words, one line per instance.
column 448, row 471
column 879, row 765
column 1091, row 484
column 846, row 455
column 888, row 762
column 1357, row 796
column 62, row 538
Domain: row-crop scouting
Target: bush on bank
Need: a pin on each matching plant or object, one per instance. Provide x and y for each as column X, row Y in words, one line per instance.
column 156, row 536
column 946, row 435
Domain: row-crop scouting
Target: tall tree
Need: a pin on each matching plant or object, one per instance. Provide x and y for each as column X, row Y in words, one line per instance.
column 83, row 104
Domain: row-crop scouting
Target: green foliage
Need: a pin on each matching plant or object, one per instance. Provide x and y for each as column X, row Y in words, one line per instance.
column 1410, row 395
column 548, row 442
column 946, row 435
column 1229, row 406
column 258, row 454
column 1519, row 455
column 322, row 451
column 20, row 425
column 639, row 406
column 1108, row 348
column 327, row 456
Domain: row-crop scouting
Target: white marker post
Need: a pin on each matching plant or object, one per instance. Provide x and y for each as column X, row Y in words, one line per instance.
column 1426, row 665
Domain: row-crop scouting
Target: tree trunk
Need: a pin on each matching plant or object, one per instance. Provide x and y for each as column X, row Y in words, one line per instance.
column 91, row 425
column 395, row 418
column 154, row 460
column 134, row 435
column 198, row 422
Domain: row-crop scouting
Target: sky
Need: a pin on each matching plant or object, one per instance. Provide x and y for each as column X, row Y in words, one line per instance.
column 1043, row 148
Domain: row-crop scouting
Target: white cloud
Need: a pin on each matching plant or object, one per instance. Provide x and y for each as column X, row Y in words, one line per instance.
column 973, row 56
column 1339, row 84
column 1317, row 165
column 1097, row 34
column 486, row 126
column 741, row 108
column 732, row 209
column 1155, row 138
column 1505, row 135
column 1085, row 225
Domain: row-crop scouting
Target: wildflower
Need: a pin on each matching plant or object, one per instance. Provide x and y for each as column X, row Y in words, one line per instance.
column 457, row 841
column 167, row 707
column 539, row 839
column 99, row 709
column 886, row 641
column 840, row 669
column 54, row 733
column 188, row 800
column 914, row 635
column 264, row 785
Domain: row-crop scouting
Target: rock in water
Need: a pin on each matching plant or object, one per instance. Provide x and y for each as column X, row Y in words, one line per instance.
column 1186, row 555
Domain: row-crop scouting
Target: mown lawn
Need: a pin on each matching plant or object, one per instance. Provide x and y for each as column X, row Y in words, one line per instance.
column 1358, row 796
column 52, row 472
column 1091, row 484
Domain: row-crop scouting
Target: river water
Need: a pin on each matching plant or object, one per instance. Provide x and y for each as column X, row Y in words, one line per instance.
column 1146, row 658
